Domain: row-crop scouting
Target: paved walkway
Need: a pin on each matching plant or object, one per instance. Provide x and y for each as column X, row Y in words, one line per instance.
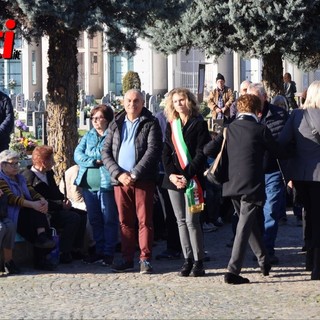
column 81, row 291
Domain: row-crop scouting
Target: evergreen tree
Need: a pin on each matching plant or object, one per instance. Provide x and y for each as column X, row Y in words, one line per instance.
column 131, row 80
column 271, row 30
column 62, row 22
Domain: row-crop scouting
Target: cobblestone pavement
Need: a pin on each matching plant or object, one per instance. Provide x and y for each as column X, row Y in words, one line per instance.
column 81, row 291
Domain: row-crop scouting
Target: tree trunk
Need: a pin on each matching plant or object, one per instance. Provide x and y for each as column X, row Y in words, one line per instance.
column 272, row 74
column 62, row 133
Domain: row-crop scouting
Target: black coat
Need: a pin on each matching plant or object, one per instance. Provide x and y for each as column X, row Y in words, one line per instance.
column 196, row 135
column 274, row 118
column 50, row 191
column 247, row 142
column 6, row 120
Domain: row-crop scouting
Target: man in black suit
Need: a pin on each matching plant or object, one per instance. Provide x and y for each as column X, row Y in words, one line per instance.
column 247, row 141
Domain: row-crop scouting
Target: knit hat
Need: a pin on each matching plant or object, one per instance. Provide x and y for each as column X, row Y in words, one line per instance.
column 220, row 77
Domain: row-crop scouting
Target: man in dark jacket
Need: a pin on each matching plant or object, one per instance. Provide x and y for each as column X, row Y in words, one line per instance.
column 274, row 118
column 247, row 141
column 131, row 154
column 6, row 121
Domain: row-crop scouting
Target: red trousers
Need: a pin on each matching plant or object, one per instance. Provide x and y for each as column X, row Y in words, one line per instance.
column 136, row 203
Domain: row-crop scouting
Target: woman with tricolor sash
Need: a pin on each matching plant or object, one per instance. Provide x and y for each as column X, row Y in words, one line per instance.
column 184, row 164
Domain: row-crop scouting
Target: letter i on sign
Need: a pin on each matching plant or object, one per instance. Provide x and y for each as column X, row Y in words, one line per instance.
column 8, row 39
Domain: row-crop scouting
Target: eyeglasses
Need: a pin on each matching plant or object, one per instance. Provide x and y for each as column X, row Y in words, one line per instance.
column 97, row 118
column 13, row 164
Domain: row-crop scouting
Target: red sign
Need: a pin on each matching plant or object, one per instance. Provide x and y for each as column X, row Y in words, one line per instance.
column 8, row 40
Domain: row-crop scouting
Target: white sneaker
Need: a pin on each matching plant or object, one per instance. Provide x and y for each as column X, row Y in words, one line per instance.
column 209, row 227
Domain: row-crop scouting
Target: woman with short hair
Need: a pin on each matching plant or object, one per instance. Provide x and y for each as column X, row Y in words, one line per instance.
column 95, row 181
column 304, row 167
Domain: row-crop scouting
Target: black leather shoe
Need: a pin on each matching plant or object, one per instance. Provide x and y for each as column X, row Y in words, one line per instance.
column 231, row 278
column 186, row 268
column 265, row 269
column 197, row 269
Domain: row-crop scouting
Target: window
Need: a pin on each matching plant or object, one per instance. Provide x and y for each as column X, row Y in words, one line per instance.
column 33, row 68
column 94, row 62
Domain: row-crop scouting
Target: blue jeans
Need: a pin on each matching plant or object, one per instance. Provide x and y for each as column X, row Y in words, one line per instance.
column 275, row 192
column 103, row 217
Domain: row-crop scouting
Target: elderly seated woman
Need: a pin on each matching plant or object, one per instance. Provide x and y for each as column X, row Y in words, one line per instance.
column 7, row 236
column 70, row 221
column 26, row 208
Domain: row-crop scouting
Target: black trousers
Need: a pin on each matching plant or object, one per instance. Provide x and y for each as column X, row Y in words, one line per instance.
column 29, row 221
column 71, row 225
column 309, row 194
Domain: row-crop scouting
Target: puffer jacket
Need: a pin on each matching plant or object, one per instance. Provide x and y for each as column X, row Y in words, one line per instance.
column 148, row 147
column 274, row 118
column 87, row 153
column 6, row 120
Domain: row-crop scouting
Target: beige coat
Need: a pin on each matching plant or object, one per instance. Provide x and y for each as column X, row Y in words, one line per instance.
column 228, row 99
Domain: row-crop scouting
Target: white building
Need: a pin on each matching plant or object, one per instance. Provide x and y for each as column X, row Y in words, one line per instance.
column 101, row 73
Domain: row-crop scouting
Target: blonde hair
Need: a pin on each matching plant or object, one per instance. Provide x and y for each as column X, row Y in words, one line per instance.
column 313, row 96
column 192, row 104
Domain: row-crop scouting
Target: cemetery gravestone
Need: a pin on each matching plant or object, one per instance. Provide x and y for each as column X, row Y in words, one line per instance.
column 30, row 107
column 36, row 99
column 20, row 102
column 38, row 124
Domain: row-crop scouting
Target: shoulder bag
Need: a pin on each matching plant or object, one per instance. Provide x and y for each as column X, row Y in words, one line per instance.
column 218, row 171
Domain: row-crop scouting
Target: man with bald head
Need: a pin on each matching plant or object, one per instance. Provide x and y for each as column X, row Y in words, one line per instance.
column 243, row 90
column 131, row 154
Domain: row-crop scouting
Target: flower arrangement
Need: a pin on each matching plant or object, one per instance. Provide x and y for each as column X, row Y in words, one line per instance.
column 22, row 145
column 12, row 83
column 21, row 126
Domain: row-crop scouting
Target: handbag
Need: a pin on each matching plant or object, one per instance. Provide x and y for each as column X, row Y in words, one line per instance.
column 54, row 255
column 218, row 171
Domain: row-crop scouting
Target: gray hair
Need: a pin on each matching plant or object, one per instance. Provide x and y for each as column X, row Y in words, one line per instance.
column 6, row 155
column 280, row 101
column 137, row 91
column 258, row 88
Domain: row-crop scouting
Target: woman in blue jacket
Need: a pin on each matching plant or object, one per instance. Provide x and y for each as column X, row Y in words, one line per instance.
column 98, row 194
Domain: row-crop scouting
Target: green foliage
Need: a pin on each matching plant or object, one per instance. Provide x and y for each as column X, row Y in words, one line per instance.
column 122, row 21
column 131, row 80
column 284, row 29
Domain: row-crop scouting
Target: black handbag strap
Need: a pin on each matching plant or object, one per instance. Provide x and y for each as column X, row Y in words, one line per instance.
column 310, row 124
column 217, row 159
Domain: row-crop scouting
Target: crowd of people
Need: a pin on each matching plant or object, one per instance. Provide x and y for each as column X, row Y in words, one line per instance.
column 130, row 159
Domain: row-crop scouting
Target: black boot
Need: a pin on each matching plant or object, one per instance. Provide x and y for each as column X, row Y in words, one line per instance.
column 197, row 269
column 309, row 259
column 186, row 268
column 315, row 275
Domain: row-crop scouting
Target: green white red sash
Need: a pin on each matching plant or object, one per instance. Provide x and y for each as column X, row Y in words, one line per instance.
column 194, row 190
